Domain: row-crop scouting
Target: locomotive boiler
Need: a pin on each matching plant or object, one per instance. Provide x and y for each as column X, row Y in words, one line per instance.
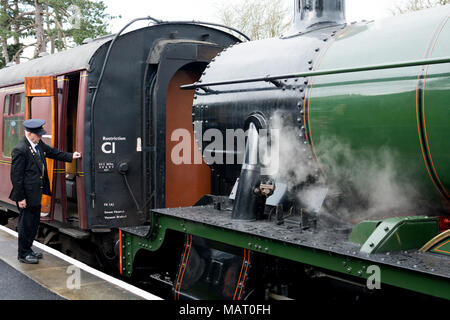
column 343, row 115
column 358, row 117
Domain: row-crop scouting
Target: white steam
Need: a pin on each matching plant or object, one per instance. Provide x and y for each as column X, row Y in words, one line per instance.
column 359, row 184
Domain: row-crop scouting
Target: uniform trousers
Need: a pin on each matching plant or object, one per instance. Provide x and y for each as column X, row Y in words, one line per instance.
column 28, row 225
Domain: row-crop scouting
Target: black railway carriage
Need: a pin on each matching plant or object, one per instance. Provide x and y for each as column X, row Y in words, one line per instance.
column 122, row 134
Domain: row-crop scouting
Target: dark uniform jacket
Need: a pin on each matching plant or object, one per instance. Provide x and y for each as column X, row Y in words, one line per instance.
column 29, row 175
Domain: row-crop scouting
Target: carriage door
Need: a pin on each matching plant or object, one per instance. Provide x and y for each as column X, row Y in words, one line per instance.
column 42, row 103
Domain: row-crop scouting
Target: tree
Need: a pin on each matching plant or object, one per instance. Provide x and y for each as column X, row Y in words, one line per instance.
column 75, row 20
column 14, row 24
column 41, row 44
column 416, row 5
column 54, row 25
column 258, row 19
column 12, row 49
column 4, row 30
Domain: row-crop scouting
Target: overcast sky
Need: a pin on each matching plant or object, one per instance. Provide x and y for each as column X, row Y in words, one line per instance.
column 206, row 10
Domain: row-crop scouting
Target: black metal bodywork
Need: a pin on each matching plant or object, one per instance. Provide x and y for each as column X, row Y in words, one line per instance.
column 126, row 171
column 229, row 106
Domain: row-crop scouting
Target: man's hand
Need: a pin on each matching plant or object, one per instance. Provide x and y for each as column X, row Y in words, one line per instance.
column 76, row 155
column 22, row 204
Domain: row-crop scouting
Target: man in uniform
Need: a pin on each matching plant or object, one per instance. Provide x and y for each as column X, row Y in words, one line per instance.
column 29, row 178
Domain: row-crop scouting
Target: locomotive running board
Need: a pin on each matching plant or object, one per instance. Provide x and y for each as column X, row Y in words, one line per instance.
column 327, row 249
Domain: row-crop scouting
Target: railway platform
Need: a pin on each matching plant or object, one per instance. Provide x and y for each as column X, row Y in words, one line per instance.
column 57, row 277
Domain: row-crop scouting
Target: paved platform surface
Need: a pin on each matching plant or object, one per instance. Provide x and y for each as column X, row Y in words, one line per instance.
column 57, row 276
column 17, row 286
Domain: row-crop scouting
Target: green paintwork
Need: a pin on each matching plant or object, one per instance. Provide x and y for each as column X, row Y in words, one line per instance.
column 363, row 119
column 363, row 230
column 437, row 110
column 401, row 233
column 442, row 247
column 346, row 264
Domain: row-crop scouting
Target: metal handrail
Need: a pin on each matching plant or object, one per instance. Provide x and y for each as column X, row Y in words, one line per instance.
column 269, row 78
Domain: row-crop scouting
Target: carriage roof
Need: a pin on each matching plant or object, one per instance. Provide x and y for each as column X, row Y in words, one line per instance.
column 66, row 61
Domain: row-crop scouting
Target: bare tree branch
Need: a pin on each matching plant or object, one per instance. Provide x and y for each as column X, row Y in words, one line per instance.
column 416, row 5
column 258, row 19
column 18, row 53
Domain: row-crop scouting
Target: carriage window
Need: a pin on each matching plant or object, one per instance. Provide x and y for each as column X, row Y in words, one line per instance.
column 13, row 116
column 19, row 104
column 6, row 108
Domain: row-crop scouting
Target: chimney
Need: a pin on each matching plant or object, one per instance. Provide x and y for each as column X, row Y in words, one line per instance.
column 310, row 14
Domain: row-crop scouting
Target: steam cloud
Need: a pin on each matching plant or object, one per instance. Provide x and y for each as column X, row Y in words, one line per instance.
column 361, row 184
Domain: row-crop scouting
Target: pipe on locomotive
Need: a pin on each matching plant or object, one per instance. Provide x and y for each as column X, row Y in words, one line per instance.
column 394, row 65
column 314, row 13
column 247, row 202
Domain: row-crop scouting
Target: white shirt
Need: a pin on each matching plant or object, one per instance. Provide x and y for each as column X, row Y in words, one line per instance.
column 31, row 143
column 34, row 148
